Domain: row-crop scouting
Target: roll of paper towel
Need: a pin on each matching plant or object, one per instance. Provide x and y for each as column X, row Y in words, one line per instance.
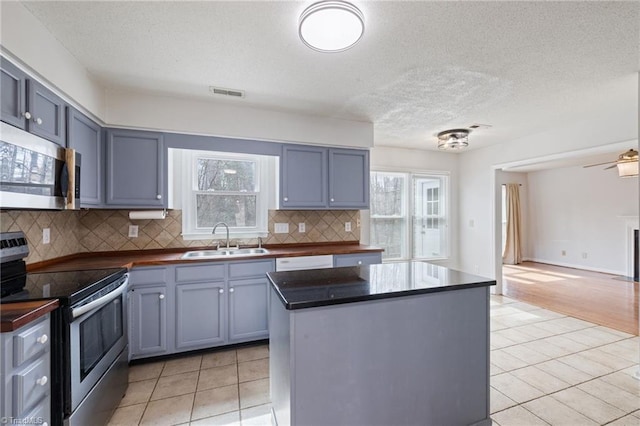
column 148, row 214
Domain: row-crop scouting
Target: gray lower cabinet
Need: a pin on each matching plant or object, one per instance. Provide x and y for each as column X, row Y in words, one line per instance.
column 136, row 165
column 85, row 136
column 25, row 371
column 357, row 259
column 29, row 105
column 199, row 305
column 324, row 178
column 200, row 315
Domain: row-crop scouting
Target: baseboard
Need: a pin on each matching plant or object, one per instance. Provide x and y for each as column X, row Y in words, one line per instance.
column 570, row 265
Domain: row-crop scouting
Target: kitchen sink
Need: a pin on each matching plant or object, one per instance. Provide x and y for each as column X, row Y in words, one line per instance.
column 231, row 252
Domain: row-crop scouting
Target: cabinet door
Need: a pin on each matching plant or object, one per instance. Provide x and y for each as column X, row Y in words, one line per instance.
column 357, row 259
column 248, row 309
column 85, row 136
column 200, row 315
column 12, row 94
column 349, row 178
column 303, row 177
column 148, row 321
column 136, row 169
column 47, row 113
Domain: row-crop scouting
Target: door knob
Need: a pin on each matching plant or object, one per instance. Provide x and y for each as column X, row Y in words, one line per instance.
column 27, row 115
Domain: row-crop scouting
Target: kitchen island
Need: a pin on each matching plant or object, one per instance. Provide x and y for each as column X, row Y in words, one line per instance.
column 390, row 344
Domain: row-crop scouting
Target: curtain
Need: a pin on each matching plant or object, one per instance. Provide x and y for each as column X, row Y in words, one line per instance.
column 512, row 251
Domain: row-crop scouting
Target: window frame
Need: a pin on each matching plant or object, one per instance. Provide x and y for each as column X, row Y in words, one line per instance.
column 190, row 191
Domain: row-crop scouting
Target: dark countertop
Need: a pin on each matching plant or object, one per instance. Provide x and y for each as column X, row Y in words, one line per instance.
column 323, row 287
column 130, row 259
column 15, row 315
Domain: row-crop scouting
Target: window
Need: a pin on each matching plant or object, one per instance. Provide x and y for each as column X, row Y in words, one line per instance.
column 225, row 187
column 409, row 215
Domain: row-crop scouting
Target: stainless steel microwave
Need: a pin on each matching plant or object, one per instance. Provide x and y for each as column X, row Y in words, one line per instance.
column 36, row 173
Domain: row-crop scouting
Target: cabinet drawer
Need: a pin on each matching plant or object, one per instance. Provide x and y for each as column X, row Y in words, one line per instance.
column 30, row 342
column 251, row 269
column 357, row 259
column 208, row 272
column 30, row 385
column 148, row 276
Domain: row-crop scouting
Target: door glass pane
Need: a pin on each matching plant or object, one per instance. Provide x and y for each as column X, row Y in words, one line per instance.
column 388, row 214
column 428, row 224
column 98, row 334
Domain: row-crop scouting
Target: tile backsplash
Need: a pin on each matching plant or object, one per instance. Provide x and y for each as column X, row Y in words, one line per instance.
column 107, row 230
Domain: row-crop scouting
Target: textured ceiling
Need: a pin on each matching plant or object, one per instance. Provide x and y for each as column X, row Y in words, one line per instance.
column 420, row 68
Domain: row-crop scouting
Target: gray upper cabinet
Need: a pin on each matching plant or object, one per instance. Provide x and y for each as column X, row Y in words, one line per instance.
column 13, row 90
column 30, row 106
column 324, row 178
column 303, row 177
column 85, row 136
column 47, row 113
column 348, row 178
column 136, row 169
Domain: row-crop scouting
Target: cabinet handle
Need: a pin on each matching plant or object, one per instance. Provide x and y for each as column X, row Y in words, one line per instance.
column 332, row 200
column 42, row 381
column 42, row 339
column 286, row 198
column 359, row 262
column 231, row 290
column 39, row 120
column 27, row 115
column 158, row 197
column 161, row 296
column 221, row 291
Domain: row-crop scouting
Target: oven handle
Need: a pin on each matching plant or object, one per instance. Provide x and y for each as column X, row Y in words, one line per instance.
column 76, row 312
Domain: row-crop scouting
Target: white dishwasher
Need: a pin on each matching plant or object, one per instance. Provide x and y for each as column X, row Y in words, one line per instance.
column 304, row 262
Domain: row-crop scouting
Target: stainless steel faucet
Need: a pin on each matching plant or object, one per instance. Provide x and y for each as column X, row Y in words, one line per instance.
column 259, row 242
column 214, row 231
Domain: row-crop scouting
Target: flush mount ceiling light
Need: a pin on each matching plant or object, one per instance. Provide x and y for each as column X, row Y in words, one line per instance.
column 454, row 139
column 331, row 26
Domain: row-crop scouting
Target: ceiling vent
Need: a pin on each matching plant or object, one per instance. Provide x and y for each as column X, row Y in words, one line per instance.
column 221, row 91
column 480, row 126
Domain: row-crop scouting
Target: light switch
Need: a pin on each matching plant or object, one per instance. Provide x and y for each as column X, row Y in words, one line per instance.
column 46, row 235
column 133, row 231
column 281, row 228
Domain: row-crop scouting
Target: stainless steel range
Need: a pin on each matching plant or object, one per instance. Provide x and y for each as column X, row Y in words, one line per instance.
column 89, row 332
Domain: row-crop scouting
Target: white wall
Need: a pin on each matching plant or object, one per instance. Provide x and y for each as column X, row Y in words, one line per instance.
column 134, row 109
column 607, row 124
column 413, row 160
column 581, row 211
column 23, row 37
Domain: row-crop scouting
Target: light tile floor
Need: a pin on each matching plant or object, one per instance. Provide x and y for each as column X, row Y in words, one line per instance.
column 546, row 369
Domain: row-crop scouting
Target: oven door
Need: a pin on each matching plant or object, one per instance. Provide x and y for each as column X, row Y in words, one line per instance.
column 98, row 335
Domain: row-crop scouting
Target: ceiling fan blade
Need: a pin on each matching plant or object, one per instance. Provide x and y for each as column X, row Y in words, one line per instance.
column 611, row 167
column 598, row 164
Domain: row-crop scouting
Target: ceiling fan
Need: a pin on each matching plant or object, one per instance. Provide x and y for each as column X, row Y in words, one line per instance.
column 627, row 164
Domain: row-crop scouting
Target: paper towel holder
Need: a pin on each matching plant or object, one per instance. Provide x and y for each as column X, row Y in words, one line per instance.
column 148, row 214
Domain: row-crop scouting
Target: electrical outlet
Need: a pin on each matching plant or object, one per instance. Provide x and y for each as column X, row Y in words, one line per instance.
column 133, row 231
column 472, row 223
column 584, row 255
column 358, row 223
column 347, row 226
column 281, row 228
column 302, row 228
column 46, row 235
column 564, row 252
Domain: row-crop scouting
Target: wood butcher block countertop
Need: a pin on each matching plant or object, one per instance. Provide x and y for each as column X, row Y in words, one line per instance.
column 16, row 314
column 130, row 259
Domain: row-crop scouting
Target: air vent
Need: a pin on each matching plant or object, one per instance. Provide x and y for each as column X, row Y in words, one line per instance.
column 480, row 126
column 221, row 91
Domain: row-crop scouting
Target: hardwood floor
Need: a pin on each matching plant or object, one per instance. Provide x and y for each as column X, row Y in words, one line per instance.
column 599, row 298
